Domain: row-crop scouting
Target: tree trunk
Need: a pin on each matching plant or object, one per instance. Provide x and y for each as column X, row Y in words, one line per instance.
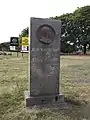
column 85, row 48
column 89, row 47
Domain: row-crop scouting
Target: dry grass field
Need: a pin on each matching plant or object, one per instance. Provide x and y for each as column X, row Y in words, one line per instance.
column 75, row 84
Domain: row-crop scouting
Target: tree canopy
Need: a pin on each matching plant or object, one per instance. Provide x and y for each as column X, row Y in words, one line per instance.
column 24, row 33
column 76, row 27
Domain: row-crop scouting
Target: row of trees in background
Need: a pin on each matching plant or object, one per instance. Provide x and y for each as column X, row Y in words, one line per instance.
column 75, row 31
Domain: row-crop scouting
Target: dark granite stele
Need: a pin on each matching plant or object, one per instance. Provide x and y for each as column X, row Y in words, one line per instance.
column 44, row 63
column 43, row 100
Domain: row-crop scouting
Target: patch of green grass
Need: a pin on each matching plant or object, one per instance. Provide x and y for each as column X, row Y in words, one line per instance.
column 75, row 84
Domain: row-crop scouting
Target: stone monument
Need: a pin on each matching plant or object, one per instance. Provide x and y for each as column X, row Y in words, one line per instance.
column 44, row 62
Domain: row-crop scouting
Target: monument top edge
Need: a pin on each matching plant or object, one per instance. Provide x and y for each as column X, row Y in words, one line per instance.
column 38, row 18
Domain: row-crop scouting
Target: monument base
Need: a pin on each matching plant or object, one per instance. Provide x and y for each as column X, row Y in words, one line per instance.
column 42, row 100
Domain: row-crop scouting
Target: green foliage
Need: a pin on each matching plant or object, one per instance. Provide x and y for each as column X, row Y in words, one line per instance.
column 24, row 33
column 4, row 46
column 76, row 26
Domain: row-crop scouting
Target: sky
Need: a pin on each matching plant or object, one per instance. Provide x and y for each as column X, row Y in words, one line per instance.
column 15, row 14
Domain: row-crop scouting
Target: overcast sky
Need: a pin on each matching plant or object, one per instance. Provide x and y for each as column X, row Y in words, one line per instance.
column 15, row 14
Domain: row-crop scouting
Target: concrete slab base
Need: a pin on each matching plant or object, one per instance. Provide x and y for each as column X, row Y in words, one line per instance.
column 42, row 100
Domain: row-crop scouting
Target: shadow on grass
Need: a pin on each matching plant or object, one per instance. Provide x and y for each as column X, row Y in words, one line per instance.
column 75, row 109
column 79, row 110
column 71, row 109
column 75, row 102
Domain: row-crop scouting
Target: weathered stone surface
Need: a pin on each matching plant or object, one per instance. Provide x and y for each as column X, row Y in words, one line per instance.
column 44, row 60
column 43, row 100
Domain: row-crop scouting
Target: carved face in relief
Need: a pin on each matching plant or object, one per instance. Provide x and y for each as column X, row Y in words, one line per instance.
column 45, row 34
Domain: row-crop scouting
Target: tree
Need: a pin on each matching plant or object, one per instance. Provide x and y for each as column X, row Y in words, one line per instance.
column 82, row 18
column 5, row 46
column 76, row 27
column 24, row 33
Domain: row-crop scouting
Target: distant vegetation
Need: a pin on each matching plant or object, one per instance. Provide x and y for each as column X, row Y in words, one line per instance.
column 5, row 46
column 75, row 32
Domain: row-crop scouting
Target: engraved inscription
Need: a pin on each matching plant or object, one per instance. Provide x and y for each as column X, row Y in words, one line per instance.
column 45, row 55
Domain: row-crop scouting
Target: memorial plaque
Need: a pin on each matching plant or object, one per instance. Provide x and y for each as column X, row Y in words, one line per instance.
column 44, row 61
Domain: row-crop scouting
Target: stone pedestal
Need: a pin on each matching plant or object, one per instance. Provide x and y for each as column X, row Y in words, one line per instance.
column 42, row 100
